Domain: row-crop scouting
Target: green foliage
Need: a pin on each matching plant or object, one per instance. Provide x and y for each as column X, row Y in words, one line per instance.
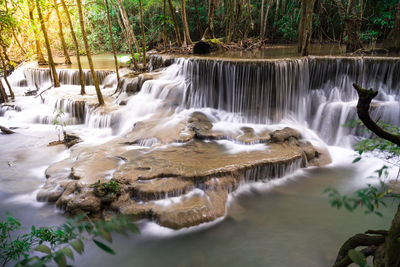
column 102, row 189
column 370, row 198
column 384, row 148
column 57, row 243
column 288, row 23
column 357, row 257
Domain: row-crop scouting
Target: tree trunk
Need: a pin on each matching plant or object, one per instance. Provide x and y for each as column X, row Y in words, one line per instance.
column 3, row 94
column 199, row 27
column 46, row 39
column 122, row 27
column 266, row 18
column 392, row 244
column 250, row 24
column 39, row 54
column 262, row 20
column 129, row 31
column 88, row 54
column 112, row 44
column 305, row 27
column 186, row 32
column 76, row 45
column 209, row 32
column 61, row 34
column 176, row 26
column 229, row 31
column 3, row 62
column 165, row 25
column 143, row 35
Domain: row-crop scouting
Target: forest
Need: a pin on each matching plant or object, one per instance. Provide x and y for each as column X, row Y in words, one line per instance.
column 167, row 25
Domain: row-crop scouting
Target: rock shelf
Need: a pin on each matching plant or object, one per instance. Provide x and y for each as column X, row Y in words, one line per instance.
column 182, row 177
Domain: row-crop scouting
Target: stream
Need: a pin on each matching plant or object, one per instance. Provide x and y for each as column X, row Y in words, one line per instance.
column 282, row 222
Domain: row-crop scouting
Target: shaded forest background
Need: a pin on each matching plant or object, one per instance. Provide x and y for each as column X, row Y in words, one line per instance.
column 273, row 21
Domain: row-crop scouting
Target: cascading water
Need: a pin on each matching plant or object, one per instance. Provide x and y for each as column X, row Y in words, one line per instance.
column 313, row 95
column 315, row 91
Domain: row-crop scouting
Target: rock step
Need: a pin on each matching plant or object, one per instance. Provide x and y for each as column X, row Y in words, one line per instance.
column 161, row 188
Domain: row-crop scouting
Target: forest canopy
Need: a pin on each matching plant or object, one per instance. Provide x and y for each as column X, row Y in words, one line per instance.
column 166, row 25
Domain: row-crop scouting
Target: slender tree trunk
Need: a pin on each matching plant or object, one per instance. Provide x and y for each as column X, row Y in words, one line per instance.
column 88, row 54
column 121, row 26
column 305, row 27
column 249, row 23
column 61, row 34
column 129, row 32
column 262, row 20
column 199, row 27
column 209, row 32
column 165, row 25
column 230, row 21
column 127, row 38
column 46, row 39
column 76, row 45
column 176, row 26
column 3, row 62
column 39, row 54
column 266, row 17
column 143, row 34
column 3, row 94
column 186, row 32
column 112, row 44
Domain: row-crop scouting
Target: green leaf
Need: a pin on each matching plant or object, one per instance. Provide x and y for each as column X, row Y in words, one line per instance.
column 60, row 259
column 106, row 235
column 77, row 245
column 357, row 257
column 356, row 159
column 104, row 247
column 68, row 252
column 43, row 248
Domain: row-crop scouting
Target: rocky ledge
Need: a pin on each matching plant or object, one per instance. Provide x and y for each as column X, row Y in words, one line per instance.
column 178, row 177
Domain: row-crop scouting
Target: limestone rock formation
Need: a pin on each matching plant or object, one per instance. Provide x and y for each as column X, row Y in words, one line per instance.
column 178, row 175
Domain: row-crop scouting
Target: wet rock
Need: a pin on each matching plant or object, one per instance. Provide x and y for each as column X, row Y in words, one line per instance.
column 193, row 210
column 71, row 140
column 49, row 193
column 309, row 150
column 5, row 130
column 249, row 136
column 284, row 134
column 322, row 158
column 160, row 188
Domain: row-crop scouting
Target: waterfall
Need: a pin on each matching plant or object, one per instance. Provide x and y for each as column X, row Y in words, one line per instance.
column 314, row 91
column 42, row 78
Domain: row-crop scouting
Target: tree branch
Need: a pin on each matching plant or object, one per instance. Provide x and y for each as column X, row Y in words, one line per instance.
column 363, row 105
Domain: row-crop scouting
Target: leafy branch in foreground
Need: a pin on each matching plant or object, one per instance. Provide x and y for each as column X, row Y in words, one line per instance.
column 382, row 245
column 45, row 244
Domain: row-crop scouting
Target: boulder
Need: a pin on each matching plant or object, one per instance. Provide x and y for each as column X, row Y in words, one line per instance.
column 284, row 134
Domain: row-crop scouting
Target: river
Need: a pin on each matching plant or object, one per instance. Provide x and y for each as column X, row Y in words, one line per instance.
column 284, row 222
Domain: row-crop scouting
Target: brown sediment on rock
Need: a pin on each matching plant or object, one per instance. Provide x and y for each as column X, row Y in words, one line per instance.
column 178, row 175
